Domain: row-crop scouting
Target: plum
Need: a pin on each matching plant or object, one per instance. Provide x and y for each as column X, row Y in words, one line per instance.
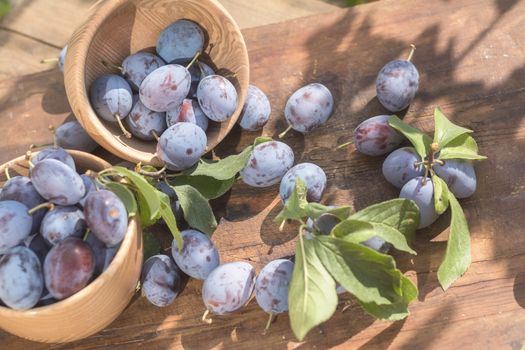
column 267, row 164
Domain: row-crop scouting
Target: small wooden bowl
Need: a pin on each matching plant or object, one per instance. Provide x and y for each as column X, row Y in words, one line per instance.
column 99, row 303
column 118, row 28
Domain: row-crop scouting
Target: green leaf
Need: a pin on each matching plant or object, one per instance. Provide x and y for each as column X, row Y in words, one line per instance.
column 462, row 147
column 353, row 227
column 226, row 168
column 151, row 245
column 445, row 130
column 148, row 200
column 169, row 218
column 457, row 256
column 209, row 187
column 398, row 310
column 417, row 138
column 364, row 231
column 441, row 193
column 312, row 298
column 370, row 276
column 5, row 7
column 150, row 169
column 315, row 210
column 296, row 205
column 401, row 214
column 197, row 210
column 125, row 195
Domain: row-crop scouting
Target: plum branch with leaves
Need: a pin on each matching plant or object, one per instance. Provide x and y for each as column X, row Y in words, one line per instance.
column 447, row 163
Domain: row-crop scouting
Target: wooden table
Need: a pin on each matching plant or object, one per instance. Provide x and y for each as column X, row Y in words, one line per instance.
column 471, row 58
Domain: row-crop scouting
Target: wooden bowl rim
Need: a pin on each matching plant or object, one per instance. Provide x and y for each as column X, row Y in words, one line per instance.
column 101, row 280
column 75, row 80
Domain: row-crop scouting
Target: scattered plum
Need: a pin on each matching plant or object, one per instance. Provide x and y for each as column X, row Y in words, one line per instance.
column 15, row 224
column 161, row 280
column 181, row 146
column 198, row 257
column 182, row 39
column 62, row 58
column 145, row 123
column 63, row 222
column 72, row 135
column 422, row 193
column 402, row 166
column 102, row 254
column 189, row 112
column 228, row 287
column 267, row 164
column 459, row 175
column 374, row 137
column 68, row 267
column 198, row 71
column 21, row 280
column 165, row 88
column 217, row 97
column 89, row 186
column 137, row 66
column 112, row 99
column 309, row 107
column 256, row 110
column 271, row 286
column 57, row 182
column 397, row 84
column 106, row 216
column 57, row 153
column 378, row 244
column 312, row 175
column 38, row 245
column 20, row 189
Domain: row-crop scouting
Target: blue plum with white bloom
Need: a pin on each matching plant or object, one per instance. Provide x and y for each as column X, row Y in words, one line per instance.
column 267, row 164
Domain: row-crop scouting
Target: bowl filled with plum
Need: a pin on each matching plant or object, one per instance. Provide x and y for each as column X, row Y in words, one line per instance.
column 68, row 249
column 158, row 82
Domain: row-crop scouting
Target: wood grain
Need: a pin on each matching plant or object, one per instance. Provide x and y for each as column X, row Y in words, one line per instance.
column 475, row 70
column 121, row 27
column 80, row 315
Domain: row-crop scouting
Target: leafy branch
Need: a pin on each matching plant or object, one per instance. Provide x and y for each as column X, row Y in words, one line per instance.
column 324, row 259
column 450, row 142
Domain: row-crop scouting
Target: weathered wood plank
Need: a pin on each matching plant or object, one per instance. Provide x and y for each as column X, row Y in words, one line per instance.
column 475, row 70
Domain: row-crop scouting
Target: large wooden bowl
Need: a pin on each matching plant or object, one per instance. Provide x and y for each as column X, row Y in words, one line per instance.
column 117, row 28
column 98, row 304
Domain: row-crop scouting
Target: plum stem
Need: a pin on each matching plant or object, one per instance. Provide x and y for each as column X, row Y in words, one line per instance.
column 193, row 60
column 86, row 234
column 158, row 173
column 205, row 317
column 29, row 153
column 6, row 170
column 281, row 135
column 232, row 75
column 411, row 54
column 47, row 205
column 122, row 128
column 155, row 135
column 52, row 129
column 114, row 66
column 269, row 323
column 49, row 60
column 345, row 144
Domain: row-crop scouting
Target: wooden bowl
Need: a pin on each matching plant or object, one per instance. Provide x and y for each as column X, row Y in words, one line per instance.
column 118, row 28
column 99, row 303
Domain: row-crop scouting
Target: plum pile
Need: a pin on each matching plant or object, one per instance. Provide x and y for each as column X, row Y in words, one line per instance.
column 171, row 96
column 59, row 231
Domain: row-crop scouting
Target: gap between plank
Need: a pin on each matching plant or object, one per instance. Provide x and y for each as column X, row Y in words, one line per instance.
column 16, row 32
